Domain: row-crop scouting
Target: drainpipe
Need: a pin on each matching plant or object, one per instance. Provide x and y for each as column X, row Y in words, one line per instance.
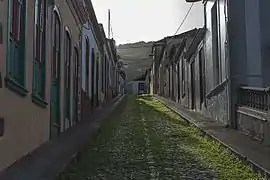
column 231, row 106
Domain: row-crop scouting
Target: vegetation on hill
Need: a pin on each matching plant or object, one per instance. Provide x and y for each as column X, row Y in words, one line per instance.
column 135, row 58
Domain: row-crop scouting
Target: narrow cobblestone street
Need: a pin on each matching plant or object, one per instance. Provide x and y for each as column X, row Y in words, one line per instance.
column 145, row 140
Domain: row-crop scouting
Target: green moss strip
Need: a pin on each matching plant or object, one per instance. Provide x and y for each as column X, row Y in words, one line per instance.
column 143, row 139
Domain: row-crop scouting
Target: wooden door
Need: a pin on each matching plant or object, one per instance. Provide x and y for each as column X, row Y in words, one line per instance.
column 76, row 87
column 202, row 77
column 178, row 82
column 97, row 86
column 55, row 80
column 192, row 73
column 93, row 77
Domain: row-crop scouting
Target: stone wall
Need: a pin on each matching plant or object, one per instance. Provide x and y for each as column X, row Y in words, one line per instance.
column 217, row 105
column 251, row 122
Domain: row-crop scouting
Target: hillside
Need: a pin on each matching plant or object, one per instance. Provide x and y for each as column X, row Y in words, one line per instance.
column 135, row 57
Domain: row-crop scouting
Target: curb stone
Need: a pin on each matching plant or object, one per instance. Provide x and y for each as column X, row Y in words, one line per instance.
column 255, row 167
column 77, row 154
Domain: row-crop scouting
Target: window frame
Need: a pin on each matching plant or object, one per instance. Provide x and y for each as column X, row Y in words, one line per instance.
column 87, row 64
column 67, row 72
column 76, row 84
column 56, row 56
column 39, row 61
column 216, row 44
column 93, row 67
column 16, row 48
column 183, row 74
column 56, row 46
column 102, row 73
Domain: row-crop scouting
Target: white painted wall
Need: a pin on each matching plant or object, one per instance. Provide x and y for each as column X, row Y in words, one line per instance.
column 132, row 86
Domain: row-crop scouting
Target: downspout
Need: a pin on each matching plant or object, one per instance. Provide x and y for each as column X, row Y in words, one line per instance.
column 231, row 107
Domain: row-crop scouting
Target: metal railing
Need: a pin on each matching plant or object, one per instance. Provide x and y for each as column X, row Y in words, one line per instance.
column 256, row 98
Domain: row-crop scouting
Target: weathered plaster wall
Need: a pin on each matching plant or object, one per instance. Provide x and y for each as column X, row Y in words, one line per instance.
column 217, row 94
column 132, row 86
column 26, row 125
column 264, row 7
column 88, row 31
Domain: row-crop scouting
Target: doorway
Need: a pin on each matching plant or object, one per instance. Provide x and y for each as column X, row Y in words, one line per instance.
column 97, row 86
column 93, row 78
column 202, row 77
column 55, row 81
column 76, row 86
column 178, row 82
column 192, row 73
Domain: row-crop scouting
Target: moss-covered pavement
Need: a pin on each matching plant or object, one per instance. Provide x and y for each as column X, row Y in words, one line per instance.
column 145, row 140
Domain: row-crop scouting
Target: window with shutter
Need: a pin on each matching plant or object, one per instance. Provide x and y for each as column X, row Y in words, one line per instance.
column 56, row 47
column 39, row 66
column 87, row 59
column 67, row 74
column 76, row 84
column 15, row 78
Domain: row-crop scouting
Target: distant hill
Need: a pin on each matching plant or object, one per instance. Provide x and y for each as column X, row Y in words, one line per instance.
column 135, row 57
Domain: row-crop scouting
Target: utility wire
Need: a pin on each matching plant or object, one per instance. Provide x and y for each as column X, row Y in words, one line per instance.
column 138, row 63
column 180, row 27
column 134, row 47
column 181, row 24
column 185, row 18
column 135, row 59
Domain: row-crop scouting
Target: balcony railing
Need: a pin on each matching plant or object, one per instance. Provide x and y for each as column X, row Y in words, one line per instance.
column 256, row 98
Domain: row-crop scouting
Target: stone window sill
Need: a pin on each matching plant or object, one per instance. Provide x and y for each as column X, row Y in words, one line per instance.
column 39, row 100
column 15, row 86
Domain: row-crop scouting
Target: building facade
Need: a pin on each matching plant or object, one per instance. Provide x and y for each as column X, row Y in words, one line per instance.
column 98, row 65
column 39, row 45
column 91, row 48
column 45, row 87
column 236, row 57
column 221, row 71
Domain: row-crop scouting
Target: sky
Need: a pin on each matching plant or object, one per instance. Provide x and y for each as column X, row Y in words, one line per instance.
column 147, row 20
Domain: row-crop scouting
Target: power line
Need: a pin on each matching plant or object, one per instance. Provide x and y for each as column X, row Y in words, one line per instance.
column 135, row 59
column 140, row 62
column 134, row 47
column 136, row 62
column 185, row 18
column 181, row 24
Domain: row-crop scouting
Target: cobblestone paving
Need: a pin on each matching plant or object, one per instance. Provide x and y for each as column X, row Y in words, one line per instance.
column 145, row 140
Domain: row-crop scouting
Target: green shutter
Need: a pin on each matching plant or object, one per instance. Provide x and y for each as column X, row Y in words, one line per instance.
column 15, row 77
column 39, row 72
